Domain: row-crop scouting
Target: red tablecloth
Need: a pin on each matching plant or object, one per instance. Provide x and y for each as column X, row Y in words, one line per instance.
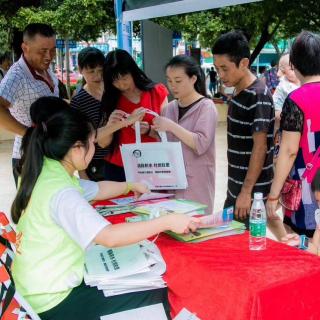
column 221, row 279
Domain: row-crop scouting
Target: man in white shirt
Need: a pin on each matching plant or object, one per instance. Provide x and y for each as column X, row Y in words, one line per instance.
column 27, row 80
column 5, row 63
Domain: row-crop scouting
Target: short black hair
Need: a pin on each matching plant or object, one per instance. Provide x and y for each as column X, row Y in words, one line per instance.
column 305, row 53
column 90, row 57
column 273, row 63
column 32, row 29
column 4, row 56
column 234, row 44
column 315, row 185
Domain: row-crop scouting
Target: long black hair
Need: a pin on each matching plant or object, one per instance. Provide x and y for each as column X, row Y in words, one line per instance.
column 191, row 68
column 40, row 110
column 53, row 139
column 119, row 63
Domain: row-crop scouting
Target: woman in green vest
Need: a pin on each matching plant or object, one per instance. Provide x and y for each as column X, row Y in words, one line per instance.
column 55, row 223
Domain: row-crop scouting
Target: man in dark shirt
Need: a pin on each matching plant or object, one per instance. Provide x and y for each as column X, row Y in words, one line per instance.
column 250, row 124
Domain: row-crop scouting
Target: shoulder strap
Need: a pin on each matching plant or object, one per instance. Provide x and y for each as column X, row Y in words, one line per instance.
column 312, row 167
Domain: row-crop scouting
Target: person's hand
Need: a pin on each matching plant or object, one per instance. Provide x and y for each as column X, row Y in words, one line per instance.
column 162, row 124
column 116, row 116
column 144, row 127
column 291, row 239
column 243, row 205
column 271, row 207
column 139, row 189
column 181, row 223
column 136, row 115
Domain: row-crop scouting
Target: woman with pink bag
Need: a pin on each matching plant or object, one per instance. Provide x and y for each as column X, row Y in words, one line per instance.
column 300, row 125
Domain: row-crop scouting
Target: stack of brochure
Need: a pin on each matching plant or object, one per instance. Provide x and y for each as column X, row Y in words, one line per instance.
column 137, row 267
column 203, row 234
column 128, row 204
column 168, row 206
column 215, row 225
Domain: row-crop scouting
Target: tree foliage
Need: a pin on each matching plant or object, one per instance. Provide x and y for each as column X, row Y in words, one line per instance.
column 73, row 19
column 264, row 21
column 4, row 36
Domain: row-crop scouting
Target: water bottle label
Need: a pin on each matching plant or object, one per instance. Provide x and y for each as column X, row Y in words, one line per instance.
column 258, row 229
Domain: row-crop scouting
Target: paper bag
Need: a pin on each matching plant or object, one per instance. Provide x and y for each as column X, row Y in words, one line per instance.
column 159, row 165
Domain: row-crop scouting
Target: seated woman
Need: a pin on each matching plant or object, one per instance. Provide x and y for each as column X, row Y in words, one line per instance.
column 126, row 91
column 191, row 119
column 55, row 223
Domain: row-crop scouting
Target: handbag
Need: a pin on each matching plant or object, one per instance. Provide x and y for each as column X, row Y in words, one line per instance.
column 159, row 165
column 291, row 193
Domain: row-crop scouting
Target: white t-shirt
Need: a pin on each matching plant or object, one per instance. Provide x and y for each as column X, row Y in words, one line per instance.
column 282, row 91
column 21, row 89
column 72, row 212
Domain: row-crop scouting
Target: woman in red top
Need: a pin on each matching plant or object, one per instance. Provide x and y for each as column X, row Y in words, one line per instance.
column 127, row 91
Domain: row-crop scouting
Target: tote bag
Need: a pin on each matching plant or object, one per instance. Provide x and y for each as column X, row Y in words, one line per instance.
column 159, row 165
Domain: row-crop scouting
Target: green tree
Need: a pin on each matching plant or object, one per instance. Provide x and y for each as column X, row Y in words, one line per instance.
column 264, row 21
column 84, row 19
column 4, row 36
column 73, row 19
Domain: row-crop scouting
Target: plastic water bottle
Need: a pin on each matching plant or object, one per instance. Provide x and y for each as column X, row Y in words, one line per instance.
column 258, row 223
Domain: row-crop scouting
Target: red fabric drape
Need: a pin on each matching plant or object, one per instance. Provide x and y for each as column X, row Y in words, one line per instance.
column 222, row 279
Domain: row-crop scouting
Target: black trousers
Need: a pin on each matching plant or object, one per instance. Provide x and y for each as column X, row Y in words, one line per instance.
column 89, row 303
column 114, row 173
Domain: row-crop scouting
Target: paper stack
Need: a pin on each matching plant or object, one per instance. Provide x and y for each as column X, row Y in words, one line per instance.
column 203, row 234
column 171, row 206
column 137, row 267
column 215, row 225
column 128, row 204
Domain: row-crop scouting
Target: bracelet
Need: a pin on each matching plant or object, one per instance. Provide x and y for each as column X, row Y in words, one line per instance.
column 149, row 130
column 128, row 189
column 273, row 199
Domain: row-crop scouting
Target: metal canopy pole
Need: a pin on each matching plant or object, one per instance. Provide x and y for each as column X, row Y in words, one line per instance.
column 124, row 29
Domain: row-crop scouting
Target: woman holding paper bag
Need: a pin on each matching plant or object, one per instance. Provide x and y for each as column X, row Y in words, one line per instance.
column 127, row 91
column 56, row 224
column 191, row 119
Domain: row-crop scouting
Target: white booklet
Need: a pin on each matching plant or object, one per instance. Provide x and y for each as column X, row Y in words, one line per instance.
column 132, row 268
column 154, row 312
column 185, row 314
column 143, row 197
column 102, row 262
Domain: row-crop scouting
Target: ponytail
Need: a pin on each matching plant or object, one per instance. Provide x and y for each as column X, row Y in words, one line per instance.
column 32, row 166
column 51, row 138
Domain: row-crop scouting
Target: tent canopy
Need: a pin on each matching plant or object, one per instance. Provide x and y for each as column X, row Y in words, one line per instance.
column 147, row 9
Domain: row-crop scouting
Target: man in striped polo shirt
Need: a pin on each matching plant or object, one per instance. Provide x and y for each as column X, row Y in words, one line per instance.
column 250, row 124
column 27, row 80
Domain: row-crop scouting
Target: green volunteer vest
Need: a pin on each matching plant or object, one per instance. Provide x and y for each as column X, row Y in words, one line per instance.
column 48, row 263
